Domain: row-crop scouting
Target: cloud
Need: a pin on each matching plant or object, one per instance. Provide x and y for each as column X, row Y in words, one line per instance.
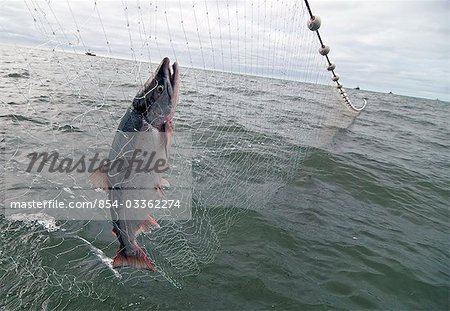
column 379, row 45
column 390, row 45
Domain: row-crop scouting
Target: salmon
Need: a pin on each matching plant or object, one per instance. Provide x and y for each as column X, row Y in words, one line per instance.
column 143, row 135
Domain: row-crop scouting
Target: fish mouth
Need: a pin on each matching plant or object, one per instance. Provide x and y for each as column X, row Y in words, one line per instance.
column 175, row 78
column 171, row 73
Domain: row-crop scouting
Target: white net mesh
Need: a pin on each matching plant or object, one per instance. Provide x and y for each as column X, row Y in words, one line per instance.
column 255, row 96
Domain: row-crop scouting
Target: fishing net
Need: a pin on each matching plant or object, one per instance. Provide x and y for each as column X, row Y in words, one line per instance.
column 255, row 97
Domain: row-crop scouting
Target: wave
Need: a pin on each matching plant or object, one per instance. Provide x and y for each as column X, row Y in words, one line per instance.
column 43, row 220
column 24, row 75
column 67, row 128
column 18, row 117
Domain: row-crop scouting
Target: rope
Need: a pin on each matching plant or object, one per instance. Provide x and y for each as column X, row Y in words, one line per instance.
column 309, row 9
column 313, row 25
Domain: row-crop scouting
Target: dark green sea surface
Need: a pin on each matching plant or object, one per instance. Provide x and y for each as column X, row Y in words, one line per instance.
column 298, row 203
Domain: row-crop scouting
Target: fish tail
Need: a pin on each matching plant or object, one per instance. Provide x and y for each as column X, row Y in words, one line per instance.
column 137, row 260
column 137, row 257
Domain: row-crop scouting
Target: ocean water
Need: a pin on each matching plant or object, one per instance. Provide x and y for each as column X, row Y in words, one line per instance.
column 298, row 202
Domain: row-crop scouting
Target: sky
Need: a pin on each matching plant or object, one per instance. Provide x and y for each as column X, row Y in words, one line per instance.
column 398, row 46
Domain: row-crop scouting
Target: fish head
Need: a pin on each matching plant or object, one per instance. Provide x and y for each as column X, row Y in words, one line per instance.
column 158, row 98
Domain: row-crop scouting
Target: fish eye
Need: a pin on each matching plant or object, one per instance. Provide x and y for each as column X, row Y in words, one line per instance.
column 160, row 88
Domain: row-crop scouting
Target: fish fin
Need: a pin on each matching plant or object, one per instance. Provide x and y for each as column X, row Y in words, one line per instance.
column 160, row 191
column 148, row 224
column 165, row 142
column 164, row 183
column 161, row 186
column 138, row 260
column 166, row 131
column 99, row 178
